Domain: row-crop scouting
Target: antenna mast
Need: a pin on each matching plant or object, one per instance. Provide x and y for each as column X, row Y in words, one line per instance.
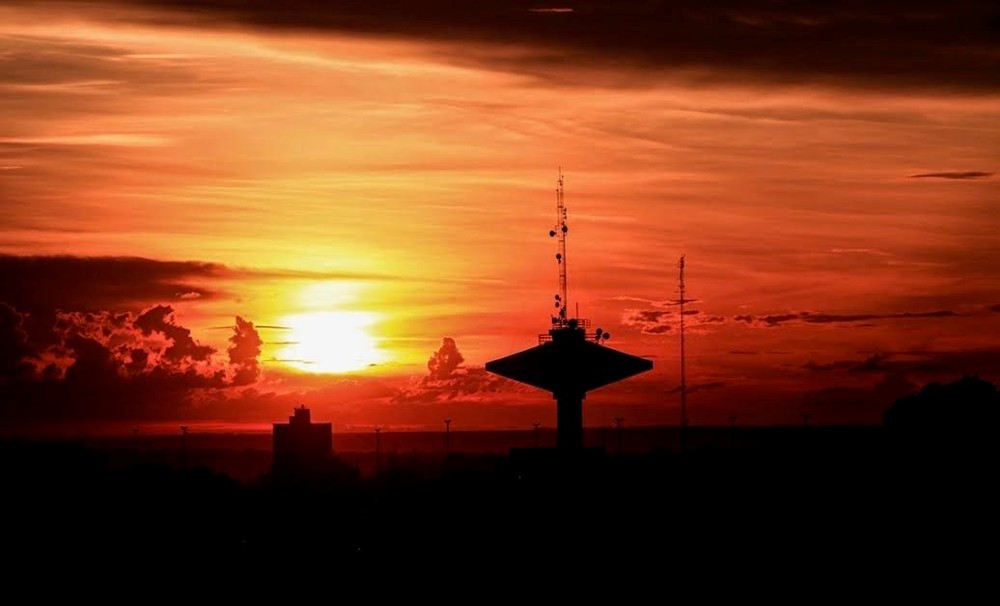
column 684, row 418
column 560, row 230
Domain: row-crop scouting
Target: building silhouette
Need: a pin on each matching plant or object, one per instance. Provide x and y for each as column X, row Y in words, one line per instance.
column 301, row 444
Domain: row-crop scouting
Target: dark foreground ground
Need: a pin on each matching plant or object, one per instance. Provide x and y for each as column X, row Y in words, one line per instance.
column 837, row 505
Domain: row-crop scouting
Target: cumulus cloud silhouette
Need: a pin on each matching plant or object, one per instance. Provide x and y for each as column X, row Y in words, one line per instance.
column 161, row 319
column 13, row 344
column 113, row 364
column 447, row 379
column 244, row 349
column 443, row 363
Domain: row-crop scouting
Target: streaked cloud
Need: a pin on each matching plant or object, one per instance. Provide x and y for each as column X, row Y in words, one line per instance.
column 958, row 175
column 808, row 317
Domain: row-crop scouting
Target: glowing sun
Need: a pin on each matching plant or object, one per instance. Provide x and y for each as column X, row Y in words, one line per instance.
column 330, row 341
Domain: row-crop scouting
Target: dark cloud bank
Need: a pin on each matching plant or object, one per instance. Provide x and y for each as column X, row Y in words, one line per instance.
column 897, row 43
column 91, row 337
column 113, row 364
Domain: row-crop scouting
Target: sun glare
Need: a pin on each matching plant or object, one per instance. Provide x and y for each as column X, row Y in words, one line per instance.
column 330, row 341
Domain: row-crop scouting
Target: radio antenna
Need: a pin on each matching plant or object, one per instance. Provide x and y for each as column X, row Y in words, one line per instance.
column 559, row 231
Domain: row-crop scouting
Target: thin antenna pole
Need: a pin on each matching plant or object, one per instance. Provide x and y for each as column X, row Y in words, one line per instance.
column 560, row 230
column 684, row 417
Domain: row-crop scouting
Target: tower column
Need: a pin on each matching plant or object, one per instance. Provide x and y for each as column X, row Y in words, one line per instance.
column 569, row 420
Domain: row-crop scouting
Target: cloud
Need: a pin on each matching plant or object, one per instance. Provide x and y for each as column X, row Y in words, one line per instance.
column 444, row 361
column 111, row 364
column 696, row 387
column 447, row 380
column 46, row 283
column 649, row 321
column 13, row 344
column 161, row 319
column 923, row 363
column 852, row 405
column 808, row 317
column 660, row 321
column 919, row 44
column 35, row 283
column 244, row 349
column 874, row 363
column 972, row 174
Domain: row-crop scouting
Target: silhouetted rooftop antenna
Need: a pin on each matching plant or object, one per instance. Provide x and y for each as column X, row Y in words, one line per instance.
column 559, row 231
column 684, row 417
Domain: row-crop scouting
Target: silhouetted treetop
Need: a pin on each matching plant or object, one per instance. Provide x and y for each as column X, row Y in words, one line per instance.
column 970, row 404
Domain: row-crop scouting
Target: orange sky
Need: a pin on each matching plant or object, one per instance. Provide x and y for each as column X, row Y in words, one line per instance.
column 409, row 180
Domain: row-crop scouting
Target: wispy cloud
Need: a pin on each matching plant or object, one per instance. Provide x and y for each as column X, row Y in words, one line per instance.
column 115, row 139
column 696, row 387
column 960, row 175
column 809, row 317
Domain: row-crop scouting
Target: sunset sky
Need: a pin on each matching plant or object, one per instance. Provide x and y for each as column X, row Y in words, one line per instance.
column 360, row 180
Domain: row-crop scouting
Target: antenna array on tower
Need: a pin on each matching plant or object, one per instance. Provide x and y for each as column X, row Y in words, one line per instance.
column 559, row 232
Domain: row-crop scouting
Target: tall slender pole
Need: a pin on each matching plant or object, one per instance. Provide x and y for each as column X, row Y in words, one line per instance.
column 684, row 417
